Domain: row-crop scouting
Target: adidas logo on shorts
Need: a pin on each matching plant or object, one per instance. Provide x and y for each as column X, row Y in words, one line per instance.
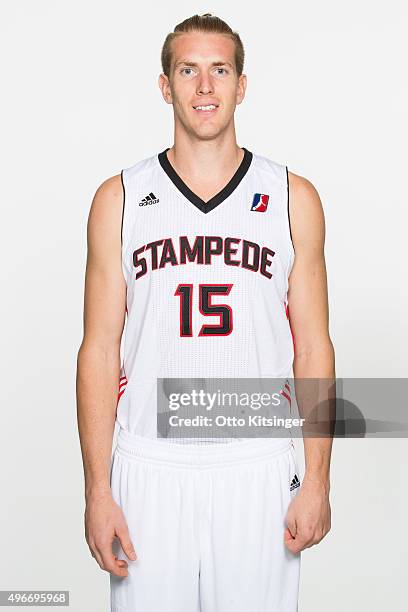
column 294, row 483
column 149, row 199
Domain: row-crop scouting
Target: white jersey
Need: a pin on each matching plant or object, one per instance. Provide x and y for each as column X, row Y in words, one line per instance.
column 206, row 281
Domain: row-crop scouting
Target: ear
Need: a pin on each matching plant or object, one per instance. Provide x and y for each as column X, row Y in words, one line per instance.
column 241, row 88
column 164, row 85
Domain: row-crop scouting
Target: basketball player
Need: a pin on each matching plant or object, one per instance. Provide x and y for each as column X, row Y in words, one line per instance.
column 213, row 256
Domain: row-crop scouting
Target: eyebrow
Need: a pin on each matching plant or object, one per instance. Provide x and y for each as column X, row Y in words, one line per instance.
column 218, row 63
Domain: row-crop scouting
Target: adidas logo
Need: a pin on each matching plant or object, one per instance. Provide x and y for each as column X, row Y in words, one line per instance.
column 150, row 199
column 295, row 483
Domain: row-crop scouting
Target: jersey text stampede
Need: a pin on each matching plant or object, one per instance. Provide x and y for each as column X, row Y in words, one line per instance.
column 236, row 252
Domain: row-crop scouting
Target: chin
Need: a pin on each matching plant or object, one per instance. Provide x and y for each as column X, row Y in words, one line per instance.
column 209, row 133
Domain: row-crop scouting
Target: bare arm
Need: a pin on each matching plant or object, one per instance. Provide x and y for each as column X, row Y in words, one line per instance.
column 314, row 354
column 98, row 364
column 104, row 316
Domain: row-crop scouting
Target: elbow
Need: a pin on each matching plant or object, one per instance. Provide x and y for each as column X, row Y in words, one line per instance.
column 309, row 349
column 317, row 356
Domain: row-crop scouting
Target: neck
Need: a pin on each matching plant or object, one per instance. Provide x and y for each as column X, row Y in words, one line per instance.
column 205, row 160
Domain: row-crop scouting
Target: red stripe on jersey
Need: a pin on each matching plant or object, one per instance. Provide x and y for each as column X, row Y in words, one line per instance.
column 287, row 397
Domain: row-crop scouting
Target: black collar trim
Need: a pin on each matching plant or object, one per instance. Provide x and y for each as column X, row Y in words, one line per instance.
column 206, row 207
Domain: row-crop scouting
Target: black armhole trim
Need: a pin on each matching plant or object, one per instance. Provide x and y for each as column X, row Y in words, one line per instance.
column 287, row 187
column 123, row 207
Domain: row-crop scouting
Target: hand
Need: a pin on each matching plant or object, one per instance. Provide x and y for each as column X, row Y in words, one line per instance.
column 308, row 518
column 104, row 521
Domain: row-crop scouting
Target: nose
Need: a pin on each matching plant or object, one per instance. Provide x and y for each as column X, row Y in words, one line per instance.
column 204, row 85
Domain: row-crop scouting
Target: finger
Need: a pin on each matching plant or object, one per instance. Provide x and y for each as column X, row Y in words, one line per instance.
column 287, row 535
column 305, row 540
column 295, row 546
column 110, row 563
column 292, row 527
column 289, row 541
column 119, row 570
column 121, row 562
column 97, row 556
column 126, row 543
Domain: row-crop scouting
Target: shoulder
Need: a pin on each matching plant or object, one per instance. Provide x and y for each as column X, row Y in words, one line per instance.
column 305, row 210
column 110, row 189
column 301, row 189
column 105, row 215
column 108, row 197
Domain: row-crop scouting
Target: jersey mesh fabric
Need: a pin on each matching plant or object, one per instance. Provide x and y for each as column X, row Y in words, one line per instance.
column 259, row 344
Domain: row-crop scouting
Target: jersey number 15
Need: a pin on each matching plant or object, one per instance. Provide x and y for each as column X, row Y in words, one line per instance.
column 205, row 293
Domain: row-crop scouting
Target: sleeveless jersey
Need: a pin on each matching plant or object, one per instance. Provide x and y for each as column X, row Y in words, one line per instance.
column 206, row 282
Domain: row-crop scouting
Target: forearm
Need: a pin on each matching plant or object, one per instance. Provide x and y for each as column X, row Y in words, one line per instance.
column 314, row 373
column 97, row 389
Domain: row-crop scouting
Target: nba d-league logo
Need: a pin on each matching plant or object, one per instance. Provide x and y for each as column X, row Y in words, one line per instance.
column 260, row 202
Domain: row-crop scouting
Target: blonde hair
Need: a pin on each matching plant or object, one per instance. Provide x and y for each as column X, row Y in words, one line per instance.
column 203, row 23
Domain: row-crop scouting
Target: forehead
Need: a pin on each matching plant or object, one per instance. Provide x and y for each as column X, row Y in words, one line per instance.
column 203, row 47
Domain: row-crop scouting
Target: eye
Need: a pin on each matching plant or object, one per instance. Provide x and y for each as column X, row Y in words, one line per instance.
column 187, row 71
column 221, row 70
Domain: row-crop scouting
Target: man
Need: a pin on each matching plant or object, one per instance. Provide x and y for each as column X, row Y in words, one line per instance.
column 218, row 277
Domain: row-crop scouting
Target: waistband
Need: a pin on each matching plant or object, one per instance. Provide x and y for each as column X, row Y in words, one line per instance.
column 189, row 455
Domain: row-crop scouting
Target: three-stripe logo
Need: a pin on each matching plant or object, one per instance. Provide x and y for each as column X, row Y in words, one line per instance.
column 149, row 199
column 295, row 482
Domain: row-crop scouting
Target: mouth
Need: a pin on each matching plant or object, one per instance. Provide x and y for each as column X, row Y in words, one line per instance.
column 206, row 109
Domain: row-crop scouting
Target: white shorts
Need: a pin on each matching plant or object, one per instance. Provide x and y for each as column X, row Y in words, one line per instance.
column 207, row 524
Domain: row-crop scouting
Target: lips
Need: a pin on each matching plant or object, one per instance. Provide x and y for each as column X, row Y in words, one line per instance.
column 202, row 104
column 206, row 109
